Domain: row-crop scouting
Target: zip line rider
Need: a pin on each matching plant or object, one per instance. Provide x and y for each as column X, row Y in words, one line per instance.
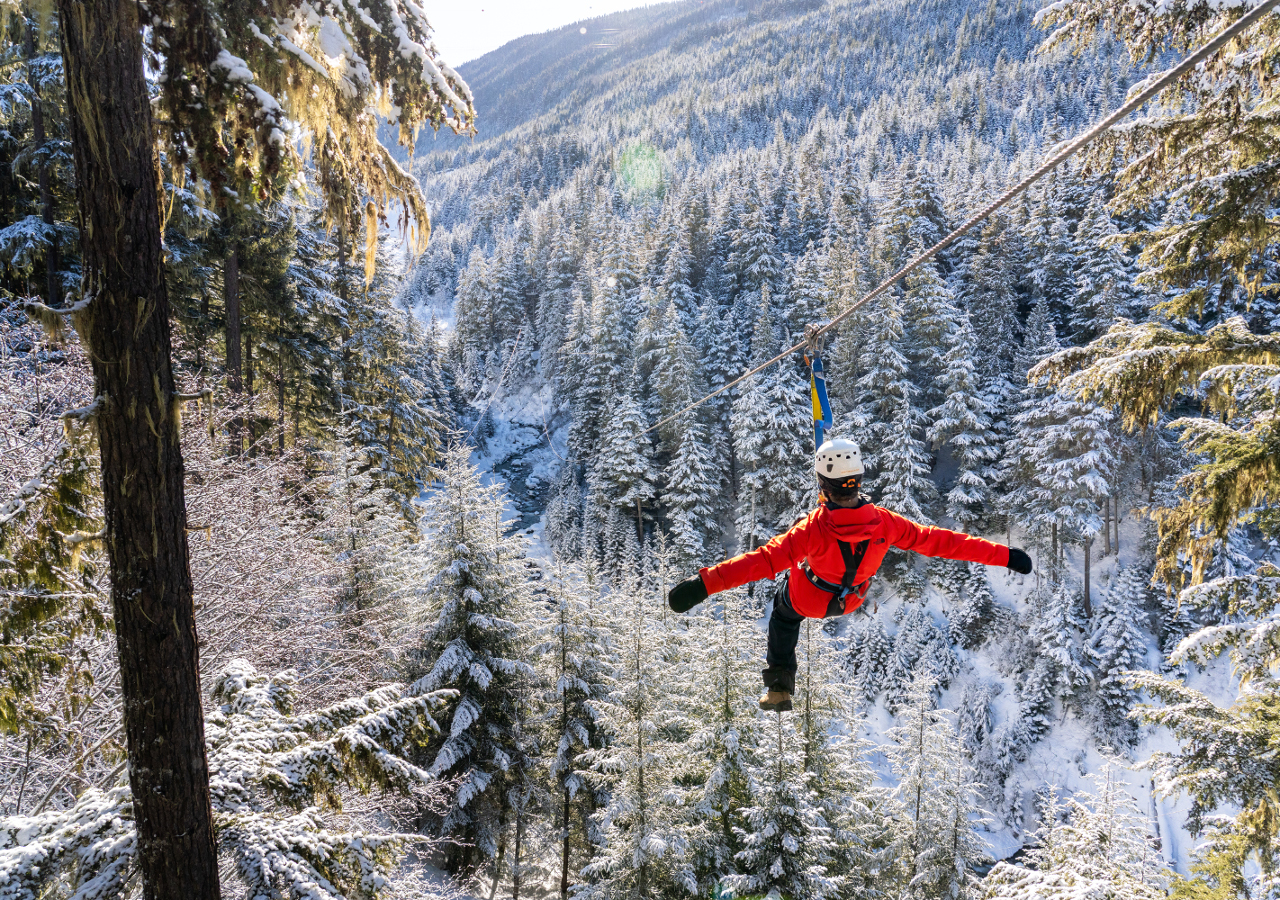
column 831, row 555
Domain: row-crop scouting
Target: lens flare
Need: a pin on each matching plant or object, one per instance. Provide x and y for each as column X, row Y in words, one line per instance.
column 639, row 169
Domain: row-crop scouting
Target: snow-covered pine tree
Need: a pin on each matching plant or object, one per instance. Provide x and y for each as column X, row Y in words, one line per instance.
column 828, row 724
column 364, row 527
column 934, row 800
column 974, row 614
column 888, row 424
column 575, row 658
column 1065, row 450
column 470, row 614
column 920, row 649
column 929, row 315
column 1091, row 846
column 754, row 257
column 644, row 844
column 807, row 293
column 723, row 722
column 1117, row 646
column 870, row 658
column 623, row 477
column 962, row 425
column 1104, row 287
column 788, row 845
column 1057, row 628
column 771, row 425
column 1051, row 250
column 276, row 782
column 991, row 303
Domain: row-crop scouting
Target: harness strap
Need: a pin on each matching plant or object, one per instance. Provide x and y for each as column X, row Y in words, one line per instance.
column 840, row 592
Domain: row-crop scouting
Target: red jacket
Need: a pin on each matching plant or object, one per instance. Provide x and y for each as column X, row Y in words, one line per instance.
column 815, row 539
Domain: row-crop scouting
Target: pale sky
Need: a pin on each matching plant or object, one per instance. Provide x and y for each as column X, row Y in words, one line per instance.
column 471, row 28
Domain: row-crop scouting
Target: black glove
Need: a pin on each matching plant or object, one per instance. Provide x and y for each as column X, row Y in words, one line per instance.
column 1019, row 561
column 687, row 594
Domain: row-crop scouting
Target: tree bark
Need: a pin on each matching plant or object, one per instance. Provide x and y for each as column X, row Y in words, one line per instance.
column 1116, row 524
column 125, row 327
column 53, row 286
column 515, row 862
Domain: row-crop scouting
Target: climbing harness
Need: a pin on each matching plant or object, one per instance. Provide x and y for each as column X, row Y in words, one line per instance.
column 841, row 592
column 1061, row 156
column 817, row 384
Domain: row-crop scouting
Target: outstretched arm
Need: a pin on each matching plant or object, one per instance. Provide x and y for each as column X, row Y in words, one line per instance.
column 762, row 562
column 930, row 540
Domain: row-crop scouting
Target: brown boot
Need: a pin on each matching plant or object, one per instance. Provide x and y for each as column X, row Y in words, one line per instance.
column 774, row 700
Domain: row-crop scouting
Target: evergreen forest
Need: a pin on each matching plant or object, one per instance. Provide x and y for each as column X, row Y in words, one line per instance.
column 360, row 415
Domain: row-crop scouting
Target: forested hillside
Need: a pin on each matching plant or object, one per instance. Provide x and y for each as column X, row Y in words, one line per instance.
column 388, row 526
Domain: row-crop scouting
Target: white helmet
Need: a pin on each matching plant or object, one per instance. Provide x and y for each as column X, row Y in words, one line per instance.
column 839, row 459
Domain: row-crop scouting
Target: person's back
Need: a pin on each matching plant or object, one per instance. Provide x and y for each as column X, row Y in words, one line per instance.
column 830, row 557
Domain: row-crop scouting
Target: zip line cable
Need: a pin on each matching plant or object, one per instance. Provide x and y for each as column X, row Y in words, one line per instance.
column 1045, row 168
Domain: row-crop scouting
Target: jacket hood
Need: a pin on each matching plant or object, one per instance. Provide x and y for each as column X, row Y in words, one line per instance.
column 848, row 524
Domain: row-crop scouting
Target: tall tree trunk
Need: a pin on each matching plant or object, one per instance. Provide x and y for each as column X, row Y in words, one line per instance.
column 515, row 861
column 497, row 865
column 231, row 305
column 125, row 327
column 1088, row 603
column 202, row 334
column 53, row 286
column 1116, row 524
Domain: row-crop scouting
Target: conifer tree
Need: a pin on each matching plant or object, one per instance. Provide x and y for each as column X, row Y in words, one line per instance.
column 1091, row 846
column 225, row 78
column 1118, row 646
column 1052, row 251
column 692, row 485
column 277, row 777
column 1217, row 169
column 723, row 725
column 807, row 293
column 644, row 846
column 770, row 422
column 471, row 613
column 788, row 845
column 889, row 425
column 624, row 477
column 1104, row 289
column 575, row 657
column 973, row 619
column 929, row 315
column 962, row 423
column 933, row 800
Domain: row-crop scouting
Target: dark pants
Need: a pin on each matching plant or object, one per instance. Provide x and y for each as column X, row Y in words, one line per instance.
column 784, row 634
